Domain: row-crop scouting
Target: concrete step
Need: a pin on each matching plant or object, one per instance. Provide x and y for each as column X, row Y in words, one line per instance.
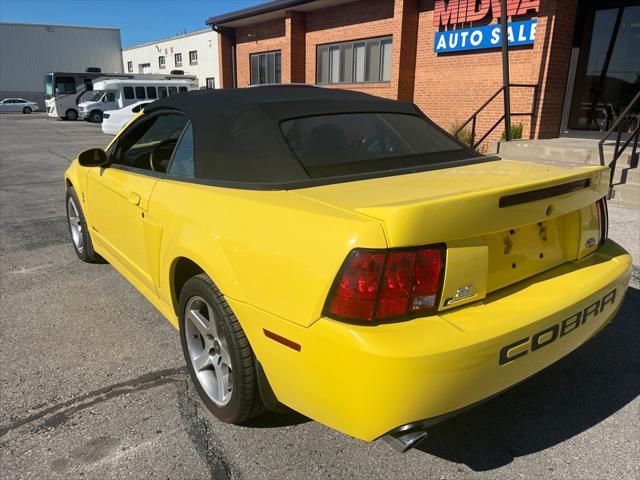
column 573, row 151
column 627, row 195
column 623, row 174
column 628, row 175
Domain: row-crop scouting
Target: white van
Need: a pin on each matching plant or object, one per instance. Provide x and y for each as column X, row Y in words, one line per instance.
column 64, row 90
column 115, row 94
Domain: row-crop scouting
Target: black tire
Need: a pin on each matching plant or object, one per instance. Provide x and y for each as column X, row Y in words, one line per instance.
column 96, row 116
column 71, row 114
column 86, row 253
column 26, row 110
column 245, row 402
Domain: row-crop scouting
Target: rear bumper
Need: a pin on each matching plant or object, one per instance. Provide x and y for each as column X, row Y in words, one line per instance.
column 366, row 381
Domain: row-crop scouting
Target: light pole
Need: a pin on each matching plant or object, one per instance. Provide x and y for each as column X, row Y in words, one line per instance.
column 505, row 70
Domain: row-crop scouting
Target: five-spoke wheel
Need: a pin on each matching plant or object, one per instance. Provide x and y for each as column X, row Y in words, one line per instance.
column 218, row 355
column 208, row 351
column 75, row 225
column 80, row 237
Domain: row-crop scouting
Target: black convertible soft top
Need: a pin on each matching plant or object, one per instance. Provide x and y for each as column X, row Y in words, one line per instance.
column 237, row 135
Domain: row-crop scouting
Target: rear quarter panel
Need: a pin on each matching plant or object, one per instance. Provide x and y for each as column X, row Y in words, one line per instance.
column 270, row 249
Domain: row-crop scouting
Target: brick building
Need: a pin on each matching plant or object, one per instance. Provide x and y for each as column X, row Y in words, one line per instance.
column 577, row 61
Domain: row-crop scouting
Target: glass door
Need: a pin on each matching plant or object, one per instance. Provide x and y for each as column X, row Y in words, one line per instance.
column 605, row 68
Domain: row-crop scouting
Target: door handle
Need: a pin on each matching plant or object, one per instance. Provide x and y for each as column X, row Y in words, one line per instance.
column 134, row 198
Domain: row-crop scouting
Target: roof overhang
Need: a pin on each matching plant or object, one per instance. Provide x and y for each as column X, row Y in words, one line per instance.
column 268, row 11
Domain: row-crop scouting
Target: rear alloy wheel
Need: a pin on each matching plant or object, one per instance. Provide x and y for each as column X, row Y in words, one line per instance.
column 26, row 110
column 218, row 355
column 96, row 116
column 78, row 229
column 71, row 114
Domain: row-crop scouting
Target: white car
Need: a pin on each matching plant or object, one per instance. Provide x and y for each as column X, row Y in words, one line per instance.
column 114, row 120
column 18, row 105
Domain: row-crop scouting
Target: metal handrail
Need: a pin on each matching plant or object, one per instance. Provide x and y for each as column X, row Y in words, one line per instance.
column 618, row 150
column 474, row 117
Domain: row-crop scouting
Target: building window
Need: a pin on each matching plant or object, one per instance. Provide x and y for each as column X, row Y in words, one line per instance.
column 130, row 67
column 193, row 57
column 354, row 62
column 161, row 62
column 265, row 68
column 178, row 59
column 211, row 83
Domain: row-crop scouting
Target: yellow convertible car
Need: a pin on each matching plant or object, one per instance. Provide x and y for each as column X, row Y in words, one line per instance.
column 339, row 254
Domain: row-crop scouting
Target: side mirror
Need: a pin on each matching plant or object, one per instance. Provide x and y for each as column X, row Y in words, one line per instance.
column 94, row 157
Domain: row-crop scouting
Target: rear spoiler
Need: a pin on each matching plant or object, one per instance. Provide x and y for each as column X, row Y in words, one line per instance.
column 542, row 193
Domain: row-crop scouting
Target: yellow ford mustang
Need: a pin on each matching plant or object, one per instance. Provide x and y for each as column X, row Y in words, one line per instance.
column 339, row 254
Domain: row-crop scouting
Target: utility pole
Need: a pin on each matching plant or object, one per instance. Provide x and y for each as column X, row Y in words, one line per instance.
column 505, row 70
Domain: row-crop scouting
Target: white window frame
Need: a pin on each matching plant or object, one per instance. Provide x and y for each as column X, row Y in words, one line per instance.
column 269, row 57
column 193, row 61
column 162, row 61
column 335, row 52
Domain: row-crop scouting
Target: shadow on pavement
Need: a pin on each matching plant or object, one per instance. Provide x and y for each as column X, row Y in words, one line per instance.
column 275, row 420
column 560, row 402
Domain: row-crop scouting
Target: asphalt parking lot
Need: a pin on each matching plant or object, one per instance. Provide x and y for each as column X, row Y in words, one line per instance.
column 93, row 382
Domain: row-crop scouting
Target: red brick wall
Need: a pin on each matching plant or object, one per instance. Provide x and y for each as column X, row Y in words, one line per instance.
column 352, row 21
column 257, row 38
column 450, row 87
column 295, row 27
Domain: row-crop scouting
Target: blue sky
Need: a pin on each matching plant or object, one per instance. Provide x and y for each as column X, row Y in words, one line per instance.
column 139, row 20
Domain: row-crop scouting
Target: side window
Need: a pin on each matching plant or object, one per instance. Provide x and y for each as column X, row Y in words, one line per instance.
column 173, row 91
column 149, row 144
column 182, row 163
column 140, row 95
column 109, row 97
column 162, row 92
column 151, row 92
column 183, row 89
column 128, row 93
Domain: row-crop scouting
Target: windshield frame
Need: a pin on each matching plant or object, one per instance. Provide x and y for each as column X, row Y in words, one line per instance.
column 47, row 79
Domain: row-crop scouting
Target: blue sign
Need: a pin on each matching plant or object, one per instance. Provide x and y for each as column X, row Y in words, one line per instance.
column 488, row 36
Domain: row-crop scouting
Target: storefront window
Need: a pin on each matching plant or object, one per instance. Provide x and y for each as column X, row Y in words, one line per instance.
column 354, row 62
column 608, row 69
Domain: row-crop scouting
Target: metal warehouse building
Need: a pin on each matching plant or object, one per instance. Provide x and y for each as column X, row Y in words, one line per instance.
column 29, row 51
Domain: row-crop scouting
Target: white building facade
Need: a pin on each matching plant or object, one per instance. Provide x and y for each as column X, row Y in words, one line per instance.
column 29, row 51
column 194, row 53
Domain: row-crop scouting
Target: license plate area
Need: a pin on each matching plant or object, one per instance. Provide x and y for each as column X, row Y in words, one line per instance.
column 525, row 251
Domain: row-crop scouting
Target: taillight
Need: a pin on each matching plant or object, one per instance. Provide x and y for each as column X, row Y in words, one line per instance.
column 375, row 285
column 603, row 219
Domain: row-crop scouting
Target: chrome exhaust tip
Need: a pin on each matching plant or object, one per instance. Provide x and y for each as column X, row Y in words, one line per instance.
column 406, row 437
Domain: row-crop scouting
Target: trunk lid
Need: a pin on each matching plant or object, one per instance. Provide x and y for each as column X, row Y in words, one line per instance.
column 502, row 221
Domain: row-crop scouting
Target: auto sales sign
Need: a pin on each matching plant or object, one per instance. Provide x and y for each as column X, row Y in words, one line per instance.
column 455, row 12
